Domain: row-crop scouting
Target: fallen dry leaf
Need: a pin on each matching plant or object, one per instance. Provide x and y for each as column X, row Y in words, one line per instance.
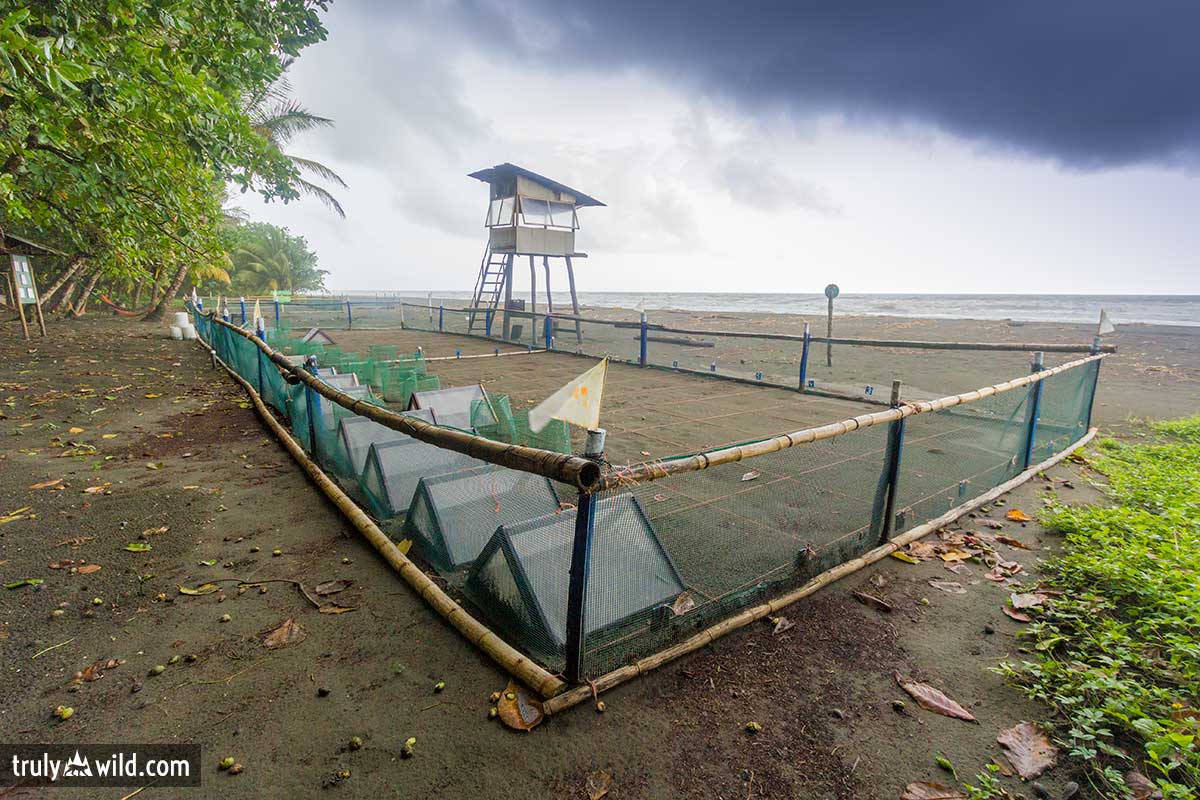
column 331, row 587
column 1027, row 599
column 597, row 784
column 1017, row 515
column 683, row 604
column 949, row 587
column 518, row 709
column 905, row 557
column 934, row 700
column 751, row 475
column 47, row 484
column 1140, row 786
column 97, row 489
column 1011, row 542
column 874, row 602
column 334, row 608
column 204, row 588
column 923, row 790
column 1019, row 616
column 88, row 569
column 75, row 430
column 289, row 632
column 1028, row 749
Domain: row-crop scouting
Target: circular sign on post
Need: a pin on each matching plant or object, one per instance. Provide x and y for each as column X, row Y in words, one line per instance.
column 831, row 291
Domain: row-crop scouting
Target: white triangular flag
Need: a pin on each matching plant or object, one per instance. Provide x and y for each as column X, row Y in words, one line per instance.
column 257, row 314
column 1106, row 325
column 577, row 403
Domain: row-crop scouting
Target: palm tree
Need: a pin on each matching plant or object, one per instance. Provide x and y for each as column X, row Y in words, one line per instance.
column 278, row 117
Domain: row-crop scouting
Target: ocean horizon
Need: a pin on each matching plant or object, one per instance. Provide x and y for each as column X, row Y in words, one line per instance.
column 1121, row 309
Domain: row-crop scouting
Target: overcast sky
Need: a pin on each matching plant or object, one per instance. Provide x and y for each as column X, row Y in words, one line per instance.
column 767, row 146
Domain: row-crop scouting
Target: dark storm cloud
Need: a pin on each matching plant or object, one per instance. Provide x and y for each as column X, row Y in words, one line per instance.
column 1088, row 83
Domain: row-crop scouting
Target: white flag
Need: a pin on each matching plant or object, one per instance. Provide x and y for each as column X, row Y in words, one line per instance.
column 1106, row 325
column 257, row 313
column 577, row 403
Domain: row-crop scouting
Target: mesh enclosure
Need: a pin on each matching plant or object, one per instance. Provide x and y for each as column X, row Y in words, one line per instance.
column 520, row 579
column 302, row 315
column 456, row 407
column 393, row 470
column 453, row 516
column 1063, row 411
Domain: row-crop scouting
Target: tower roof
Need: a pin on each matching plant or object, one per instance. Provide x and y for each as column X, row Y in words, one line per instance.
column 506, row 170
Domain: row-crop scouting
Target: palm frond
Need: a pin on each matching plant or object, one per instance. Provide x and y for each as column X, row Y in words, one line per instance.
column 318, row 169
column 282, row 121
column 321, row 194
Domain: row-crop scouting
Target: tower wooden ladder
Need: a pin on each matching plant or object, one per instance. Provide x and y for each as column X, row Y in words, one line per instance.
column 488, row 287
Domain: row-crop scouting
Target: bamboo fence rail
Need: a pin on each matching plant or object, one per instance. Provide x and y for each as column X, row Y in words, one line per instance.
column 474, row 631
column 579, row 694
column 618, row 476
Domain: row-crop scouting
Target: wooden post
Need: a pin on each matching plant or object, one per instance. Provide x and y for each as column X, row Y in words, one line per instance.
column 508, row 278
column 883, row 509
column 804, row 357
column 1035, row 407
column 12, row 271
column 574, row 300
column 37, row 301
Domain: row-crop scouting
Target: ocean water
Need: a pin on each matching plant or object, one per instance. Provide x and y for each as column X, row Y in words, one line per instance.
column 1150, row 309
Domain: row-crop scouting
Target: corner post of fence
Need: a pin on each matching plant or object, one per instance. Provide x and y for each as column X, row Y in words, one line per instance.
column 260, row 332
column 1035, row 408
column 889, row 485
column 441, row 317
column 243, row 303
column 581, row 556
column 804, row 356
column 349, row 317
column 642, row 337
column 313, row 404
column 1095, row 382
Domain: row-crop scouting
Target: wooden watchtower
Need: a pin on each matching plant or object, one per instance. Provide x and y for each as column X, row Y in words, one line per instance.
column 528, row 215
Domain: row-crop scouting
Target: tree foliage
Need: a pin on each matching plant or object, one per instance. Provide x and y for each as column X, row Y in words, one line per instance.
column 121, row 121
column 266, row 258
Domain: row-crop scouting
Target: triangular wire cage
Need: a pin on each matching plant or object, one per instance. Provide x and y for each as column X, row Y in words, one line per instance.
column 393, row 469
column 356, row 435
column 520, row 579
column 453, row 516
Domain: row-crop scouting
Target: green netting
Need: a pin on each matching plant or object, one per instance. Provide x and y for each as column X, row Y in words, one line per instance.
column 492, row 416
column 383, row 352
column 453, row 516
column 454, row 407
column 555, row 436
column 520, row 578
column 393, row 470
column 1063, row 412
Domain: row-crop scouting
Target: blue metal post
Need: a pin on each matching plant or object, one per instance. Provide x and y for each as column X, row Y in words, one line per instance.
column 441, row 316
column 1035, row 407
column 276, row 313
column 259, row 331
column 349, row 316
column 581, row 556
column 642, row 354
column 487, row 323
column 313, row 401
column 547, row 332
column 804, row 356
column 243, row 302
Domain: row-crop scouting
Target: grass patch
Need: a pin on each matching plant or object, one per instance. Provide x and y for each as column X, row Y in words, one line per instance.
column 1119, row 652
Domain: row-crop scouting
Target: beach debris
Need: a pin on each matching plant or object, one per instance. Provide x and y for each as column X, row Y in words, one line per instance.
column 900, row 555
column 518, row 709
column 921, row 549
column 598, row 784
column 956, row 554
column 949, row 587
column 751, row 475
column 226, row 763
column 683, row 604
column 202, row 589
column 959, row 568
column 25, row 582
column 1028, row 749
column 95, row 671
column 46, row 484
column 157, row 669
column 64, row 712
column 20, row 513
column 334, row 608
column 356, row 743
column 1003, row 570
column 289, row 632
column 236, row 769
column 1017, row 515
column 872, row 601
column 1027, row 599
column 994, row 524
column 98, row 489
column 87, row 569
column 331, row 587
column 138, row 547
column 925, row 790
column 1019, row 616
column 407, row 751
column 781, row 624
column 932, row 699
column 753, row 728
column 439, row 687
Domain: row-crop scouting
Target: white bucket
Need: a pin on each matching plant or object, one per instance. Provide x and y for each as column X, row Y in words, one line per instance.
column 189, row 332
column 176, row 332
column 182, row 319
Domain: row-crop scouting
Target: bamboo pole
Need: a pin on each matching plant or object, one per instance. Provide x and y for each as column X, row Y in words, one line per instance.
column 504, row 654
column 564, row 700
column 653, row 470
column 580, row 472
